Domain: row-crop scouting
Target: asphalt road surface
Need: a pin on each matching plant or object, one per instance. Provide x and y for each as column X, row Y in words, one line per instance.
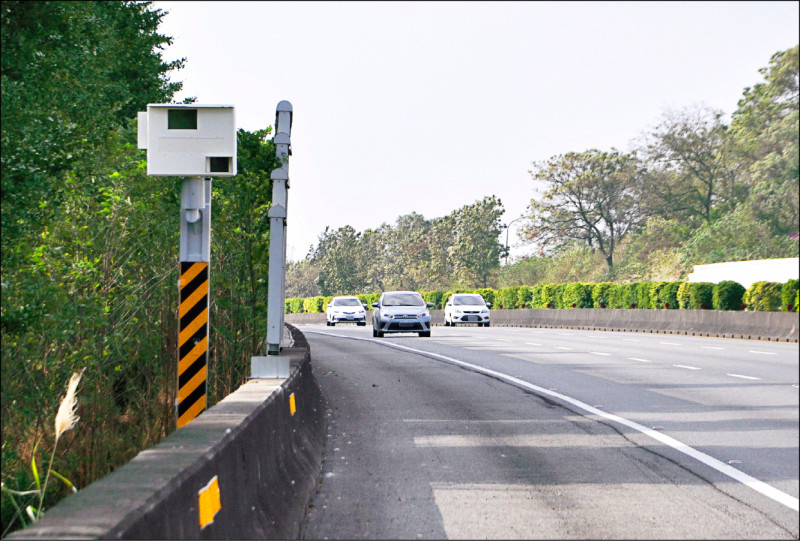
column 516, row 433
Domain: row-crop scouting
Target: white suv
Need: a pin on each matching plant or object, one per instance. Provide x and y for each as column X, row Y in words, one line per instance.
column 346, row 310
column 466, row 308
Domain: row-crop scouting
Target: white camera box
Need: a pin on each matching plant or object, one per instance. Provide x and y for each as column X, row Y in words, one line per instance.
column 188, row 140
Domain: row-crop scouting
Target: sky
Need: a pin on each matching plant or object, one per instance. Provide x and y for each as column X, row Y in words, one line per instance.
column 425, row 107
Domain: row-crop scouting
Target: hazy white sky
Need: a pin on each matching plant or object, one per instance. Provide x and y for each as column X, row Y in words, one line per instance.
column 424, row 107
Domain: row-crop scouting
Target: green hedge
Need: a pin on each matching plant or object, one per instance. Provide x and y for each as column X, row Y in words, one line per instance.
column 726, row 295
column 603, row 293
column 789, row 295
column 763, row 297
column 576, row 295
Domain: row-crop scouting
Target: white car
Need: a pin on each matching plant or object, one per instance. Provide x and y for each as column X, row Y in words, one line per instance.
column 401, row 311
column 466, row 308
column 346, row 310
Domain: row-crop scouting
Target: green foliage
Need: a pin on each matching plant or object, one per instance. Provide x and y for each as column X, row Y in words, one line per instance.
column 507, row 297
column 576, row 295
column 525, row 297
column 294, row 306
column 728, row 295
column 551, row 295
column 701, row 296
column 788, row 296
column 622, row 296
column 313, row 305
column 643, row 295
column 664, row 295
column 763, row 297
column 602, row 294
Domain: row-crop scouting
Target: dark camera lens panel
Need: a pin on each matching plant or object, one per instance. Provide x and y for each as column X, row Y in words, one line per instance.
column 182, row 119
column 219, row 165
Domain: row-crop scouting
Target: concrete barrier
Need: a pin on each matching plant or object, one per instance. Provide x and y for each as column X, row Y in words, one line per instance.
column 777, row 326
column 263, row 457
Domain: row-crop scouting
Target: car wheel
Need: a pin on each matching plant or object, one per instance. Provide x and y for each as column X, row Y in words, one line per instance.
column 480, row 324
column 327, row 323
column 486, row 324
column 425, row 334
column 380, row 334
column 446, row 323
column 374, row 333
column 362, row 323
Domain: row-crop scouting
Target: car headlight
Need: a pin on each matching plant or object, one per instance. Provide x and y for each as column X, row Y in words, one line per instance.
column 484, row 311
column 426, row 314
column 387, row 316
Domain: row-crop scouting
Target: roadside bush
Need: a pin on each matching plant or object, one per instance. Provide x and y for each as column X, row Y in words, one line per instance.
column 525, row 297
column 537, row 298
column 728, row 295
column 576, row 295
column 701, row 296
column 683, row 295
column 763, row 297
column 506, row 297
column 789, row 292
column 294, row 306
column 643, row 295
column 313, row 305
column 551, row 295
column 623, row 295
column 664, row 295
column 602, row 294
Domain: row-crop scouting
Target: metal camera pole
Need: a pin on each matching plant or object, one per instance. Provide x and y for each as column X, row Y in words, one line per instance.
column 273, row 365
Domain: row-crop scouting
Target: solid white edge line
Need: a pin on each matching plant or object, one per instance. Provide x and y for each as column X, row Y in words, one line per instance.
column 759, row 486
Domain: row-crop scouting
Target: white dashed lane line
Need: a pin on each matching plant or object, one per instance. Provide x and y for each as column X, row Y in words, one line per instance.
column 599, row 353
column 686, row 367
column 743, row 377
column 640, row 360
column 761, row 352
column 670, row 343
column 710, row 347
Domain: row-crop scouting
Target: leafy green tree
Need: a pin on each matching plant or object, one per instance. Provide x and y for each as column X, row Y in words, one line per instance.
column 476, row 250
column 72, row 72
column 765, row 136
column 592, row 197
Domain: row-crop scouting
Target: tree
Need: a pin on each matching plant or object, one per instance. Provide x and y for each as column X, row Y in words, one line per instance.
column 764, row 134
column 692, row 168
column 476, row 249
column 72, row 73
column 593, row 197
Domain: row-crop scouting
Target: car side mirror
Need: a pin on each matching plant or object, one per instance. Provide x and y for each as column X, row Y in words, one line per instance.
column 430, row 305
column 488, row 305
column 364, row 305
column 374, row 304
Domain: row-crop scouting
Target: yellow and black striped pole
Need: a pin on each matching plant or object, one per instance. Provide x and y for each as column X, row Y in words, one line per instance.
column 192, row 340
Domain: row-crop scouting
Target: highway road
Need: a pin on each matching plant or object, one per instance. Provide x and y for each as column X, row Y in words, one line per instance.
column 519, row 433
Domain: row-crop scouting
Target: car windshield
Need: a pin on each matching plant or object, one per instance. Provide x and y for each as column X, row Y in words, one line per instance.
column 346, row 302
column 468, row 299
column 403, row 299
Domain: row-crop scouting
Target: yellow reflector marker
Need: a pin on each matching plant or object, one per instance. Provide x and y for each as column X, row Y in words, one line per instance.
column 292, row 407
column 209, row 504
